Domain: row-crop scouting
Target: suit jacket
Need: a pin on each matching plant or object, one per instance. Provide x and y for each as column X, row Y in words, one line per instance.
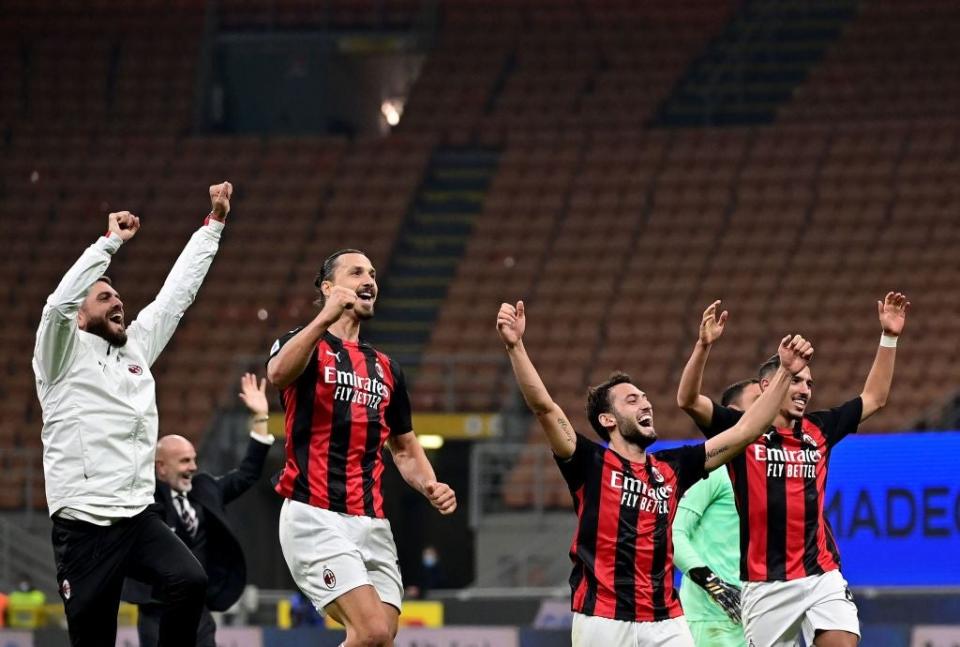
column 225, row 565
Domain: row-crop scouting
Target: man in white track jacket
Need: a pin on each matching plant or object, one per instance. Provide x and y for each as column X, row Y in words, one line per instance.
column 100, row 435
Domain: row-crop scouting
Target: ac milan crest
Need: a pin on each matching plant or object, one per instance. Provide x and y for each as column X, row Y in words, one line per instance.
column 329, row 578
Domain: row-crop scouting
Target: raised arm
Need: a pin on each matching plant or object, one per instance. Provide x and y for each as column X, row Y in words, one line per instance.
column 288, row 363
column 794, row 355
column 416, row 470
column 57, row 334
column 157, row 322
column 893, row 316
column 689, row 396
column 511, row 323
column 244, row 476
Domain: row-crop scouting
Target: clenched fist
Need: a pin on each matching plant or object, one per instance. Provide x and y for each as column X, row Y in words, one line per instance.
column 123, row 224
column 220, row 200
column 339, row 299
column 511, row 323
column 441, row 496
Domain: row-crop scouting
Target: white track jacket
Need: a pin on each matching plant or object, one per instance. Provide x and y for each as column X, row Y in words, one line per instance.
column 99, row 401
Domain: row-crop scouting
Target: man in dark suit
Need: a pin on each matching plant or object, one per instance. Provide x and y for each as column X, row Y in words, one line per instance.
column 194, row 507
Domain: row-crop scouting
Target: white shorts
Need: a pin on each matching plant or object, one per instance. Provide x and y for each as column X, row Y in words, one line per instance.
column 775, row 613
column 330, row 553
column 590, row 631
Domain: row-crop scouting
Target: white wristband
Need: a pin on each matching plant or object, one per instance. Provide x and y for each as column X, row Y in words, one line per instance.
column 888, row 341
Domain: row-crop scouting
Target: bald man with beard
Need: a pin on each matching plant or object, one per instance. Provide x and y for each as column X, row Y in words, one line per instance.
column 194, row 506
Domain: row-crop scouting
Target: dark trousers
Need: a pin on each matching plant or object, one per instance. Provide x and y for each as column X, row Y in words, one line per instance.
column 92, row 562
column 148, row 627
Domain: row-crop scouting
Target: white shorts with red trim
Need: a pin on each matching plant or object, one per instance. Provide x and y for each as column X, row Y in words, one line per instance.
column 776, row 613
column 590, row 631
column 330, row 553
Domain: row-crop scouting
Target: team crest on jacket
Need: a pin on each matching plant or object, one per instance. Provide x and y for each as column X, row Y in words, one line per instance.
column 809, row 441
column 66, row 590
column 135, row 369
column 657, row 476
column 329, row 578
column 379, row 370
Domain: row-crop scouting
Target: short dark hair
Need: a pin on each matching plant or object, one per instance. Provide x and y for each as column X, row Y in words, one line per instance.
column 327, row 269
column 735, row 391
column 105, row 279
column 769, row 367
column 598, row 401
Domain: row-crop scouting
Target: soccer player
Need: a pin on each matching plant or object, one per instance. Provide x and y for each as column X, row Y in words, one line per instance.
column 343, row 400
column 626, row 499
column 100, row 434
column 706, row 545
column 789, row 560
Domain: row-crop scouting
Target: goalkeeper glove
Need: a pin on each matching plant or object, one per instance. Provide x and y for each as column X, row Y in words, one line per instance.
column 726, row 595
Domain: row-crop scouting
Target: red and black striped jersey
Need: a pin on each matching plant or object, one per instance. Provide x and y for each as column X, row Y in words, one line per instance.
column 779, row 483
column 622, row 551
column 338, row 414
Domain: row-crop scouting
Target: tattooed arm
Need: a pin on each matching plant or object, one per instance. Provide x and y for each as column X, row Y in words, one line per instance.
column 794, row 355
column 511, row 323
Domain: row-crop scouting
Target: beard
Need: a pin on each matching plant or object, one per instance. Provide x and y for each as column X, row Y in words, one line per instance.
column 101, row 328
column 633, row 433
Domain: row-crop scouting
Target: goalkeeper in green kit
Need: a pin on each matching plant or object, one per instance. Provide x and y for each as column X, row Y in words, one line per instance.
column 706, row 531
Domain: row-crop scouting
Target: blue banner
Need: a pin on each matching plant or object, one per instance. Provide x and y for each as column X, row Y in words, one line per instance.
column 893, row 501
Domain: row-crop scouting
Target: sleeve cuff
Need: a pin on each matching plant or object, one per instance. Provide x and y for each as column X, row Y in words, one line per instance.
column 266, row 439
column 109, row 242
column 213, row 224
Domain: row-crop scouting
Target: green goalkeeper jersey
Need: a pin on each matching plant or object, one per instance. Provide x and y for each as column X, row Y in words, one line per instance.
column 706, row 532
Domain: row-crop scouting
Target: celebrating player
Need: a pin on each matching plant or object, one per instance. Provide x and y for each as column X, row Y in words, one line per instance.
column 100, row 434
column 789, row 560
column 343, row 400
column 625, row 498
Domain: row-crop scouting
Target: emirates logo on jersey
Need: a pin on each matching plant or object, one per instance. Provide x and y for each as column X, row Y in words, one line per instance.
column 329, row 578
column 356, row 389
column 786, row 462
column 636, row 493
column 135, row 369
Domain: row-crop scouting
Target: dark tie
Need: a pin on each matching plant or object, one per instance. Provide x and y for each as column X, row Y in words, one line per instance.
column 187, row 514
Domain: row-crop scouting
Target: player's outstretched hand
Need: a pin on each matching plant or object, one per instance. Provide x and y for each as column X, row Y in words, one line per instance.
column 712, row 324
column 123, row 224
column 726, row 595
column 511, row 322
column 893, row 313
column 441, row 496
column 254, row 395
column 795, row 352
column 220, row 195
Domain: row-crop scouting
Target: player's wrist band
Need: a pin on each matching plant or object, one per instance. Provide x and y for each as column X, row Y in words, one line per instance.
column 261, row 419
column 888, row 341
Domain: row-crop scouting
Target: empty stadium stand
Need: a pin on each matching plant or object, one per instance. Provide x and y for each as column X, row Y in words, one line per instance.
column 616, row 232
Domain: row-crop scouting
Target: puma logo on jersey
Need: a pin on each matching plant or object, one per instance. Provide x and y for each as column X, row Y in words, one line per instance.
column 334, row 355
